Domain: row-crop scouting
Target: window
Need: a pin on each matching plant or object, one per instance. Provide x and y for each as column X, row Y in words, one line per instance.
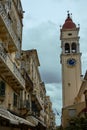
column 8, row 6
column 19, row 5
column 19, row 28
column 15, row 100
column 2, row 88
column 25, row 95
column 34, row 107
column 67, row 48
column 73, row 47
column 27, row 104
column 72, row 112
column 69, row 34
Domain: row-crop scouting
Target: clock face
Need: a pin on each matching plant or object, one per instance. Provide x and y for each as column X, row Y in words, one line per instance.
column 71, row 62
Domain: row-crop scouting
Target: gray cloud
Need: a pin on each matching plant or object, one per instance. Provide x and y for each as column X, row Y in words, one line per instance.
column 44, row 38
column 50, row 76
column 55, row 92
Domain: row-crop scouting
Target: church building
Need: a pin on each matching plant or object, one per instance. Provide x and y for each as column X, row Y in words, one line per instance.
column 71, row 70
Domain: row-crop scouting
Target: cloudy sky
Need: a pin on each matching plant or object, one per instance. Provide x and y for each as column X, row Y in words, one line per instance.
column 42, row 20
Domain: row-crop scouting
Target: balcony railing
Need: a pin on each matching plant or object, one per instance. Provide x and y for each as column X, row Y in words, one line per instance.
column 38, row 99
column 7, row 22
column 26, row 104
column 11, row 66
column 29, row 83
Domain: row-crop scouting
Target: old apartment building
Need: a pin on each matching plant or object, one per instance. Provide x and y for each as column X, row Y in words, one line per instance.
column 50, row 116
column 23, row 104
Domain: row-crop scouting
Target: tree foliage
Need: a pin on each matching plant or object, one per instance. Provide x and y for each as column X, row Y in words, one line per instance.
column 59, row 128
column 77, row 123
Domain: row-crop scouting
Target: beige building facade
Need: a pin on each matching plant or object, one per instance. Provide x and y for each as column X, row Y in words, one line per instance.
column 22, row 92
column 73, row 85
column 70, row 61
column 50, row 115
column 10, row 75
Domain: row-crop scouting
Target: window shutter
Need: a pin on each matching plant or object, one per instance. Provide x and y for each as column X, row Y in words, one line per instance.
column 2, row 88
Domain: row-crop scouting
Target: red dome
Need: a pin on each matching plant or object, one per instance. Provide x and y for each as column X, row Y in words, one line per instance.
column 68, row 24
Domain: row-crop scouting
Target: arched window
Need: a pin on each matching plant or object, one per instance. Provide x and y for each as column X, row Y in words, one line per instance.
column 74, row 47
column 67, row 48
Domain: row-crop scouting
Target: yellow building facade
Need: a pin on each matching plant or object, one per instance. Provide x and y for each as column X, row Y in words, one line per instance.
column 72, row 82
column 22, row 92
column 50, row 115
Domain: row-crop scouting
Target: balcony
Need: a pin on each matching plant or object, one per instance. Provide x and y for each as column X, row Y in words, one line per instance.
column 9, row 71
column 25, row 107
column 6, row 29
column 26, row 104
column 37, row 99
column 35, row 110
column 28, row 81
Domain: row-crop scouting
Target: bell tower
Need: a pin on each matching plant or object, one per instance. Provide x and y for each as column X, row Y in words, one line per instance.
column 70, row 61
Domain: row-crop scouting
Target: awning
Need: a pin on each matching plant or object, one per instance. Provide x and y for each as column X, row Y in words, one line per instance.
column 35, row 121
column 42, row 123
column 8, row 116
column 23, row 121
column 13, row 119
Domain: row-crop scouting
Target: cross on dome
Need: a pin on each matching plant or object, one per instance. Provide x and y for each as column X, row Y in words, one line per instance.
column 69, row 24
